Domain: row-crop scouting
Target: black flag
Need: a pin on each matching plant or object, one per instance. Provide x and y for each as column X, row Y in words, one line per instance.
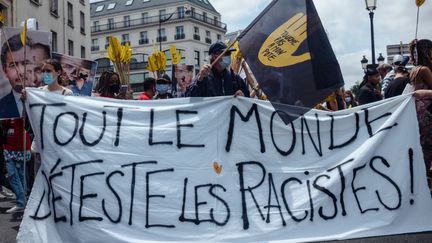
column 289, row 53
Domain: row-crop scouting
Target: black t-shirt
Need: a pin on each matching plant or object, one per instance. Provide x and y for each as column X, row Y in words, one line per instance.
column 396, row 87
column 367, row 95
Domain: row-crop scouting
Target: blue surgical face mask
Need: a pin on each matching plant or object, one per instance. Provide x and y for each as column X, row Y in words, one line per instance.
column 48, row 78
column 225, row 62
column 162, row 88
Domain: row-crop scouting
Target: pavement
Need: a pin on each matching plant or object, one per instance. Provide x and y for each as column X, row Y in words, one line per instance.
column 9, row 226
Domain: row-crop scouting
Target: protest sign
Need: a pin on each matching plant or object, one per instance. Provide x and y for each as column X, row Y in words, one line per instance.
column 182, row 79
column 79, row 73
column 30, row 59
column 222, row 169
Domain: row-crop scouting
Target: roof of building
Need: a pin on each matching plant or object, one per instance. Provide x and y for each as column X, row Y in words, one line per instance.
column 118, row 6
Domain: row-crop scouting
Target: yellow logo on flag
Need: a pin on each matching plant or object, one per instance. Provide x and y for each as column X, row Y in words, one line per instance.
column 279, row 48
column 419, row 2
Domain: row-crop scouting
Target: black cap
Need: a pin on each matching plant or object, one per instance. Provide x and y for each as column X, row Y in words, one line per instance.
column 371, row 69
column 218, row 46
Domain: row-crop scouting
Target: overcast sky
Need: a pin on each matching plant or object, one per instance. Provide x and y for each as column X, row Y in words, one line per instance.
column 347, row 25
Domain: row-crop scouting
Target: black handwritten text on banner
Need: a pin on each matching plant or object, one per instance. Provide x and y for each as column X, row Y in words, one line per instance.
column 222, row 169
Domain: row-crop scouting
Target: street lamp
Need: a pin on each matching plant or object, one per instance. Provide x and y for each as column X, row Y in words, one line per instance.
column 380, row 59
column 364, row 62
column 371, row 6
column 163, row 20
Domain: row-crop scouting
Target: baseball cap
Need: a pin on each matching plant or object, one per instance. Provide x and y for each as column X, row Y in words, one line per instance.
column 397, row 59
column 218, row 46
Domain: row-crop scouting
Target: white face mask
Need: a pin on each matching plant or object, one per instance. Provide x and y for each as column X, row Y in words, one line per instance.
column 225, row 62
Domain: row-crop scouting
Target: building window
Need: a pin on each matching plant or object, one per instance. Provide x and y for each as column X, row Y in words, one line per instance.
column 95, row 45
column 215, row 19
column 197, row 58
column 70, row 14
column 82, row 2
column 181, row 12
column 143, row 38
column 106, row 42
column 144, row 18
column 99, row 8
column 161, row 36
column 219, row 37
column 82, row 52
column 205, row 17
column 179, row 33
column 54, row 41
column 125, row 39
column 110, row 23
column 37, row 2
column 82, row 23
column 126, row 21
column 162, row 14
column 53, row 5
column 196, row 34
column 96, row 26
column 111, row 5
column 70, row 48
column 208, row 37
column 129, row 2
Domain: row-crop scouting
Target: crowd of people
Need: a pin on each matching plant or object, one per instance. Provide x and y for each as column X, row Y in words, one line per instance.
column 216, row 79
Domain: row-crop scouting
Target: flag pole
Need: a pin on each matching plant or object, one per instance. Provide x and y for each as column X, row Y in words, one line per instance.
column 24, row 115
column 418, row 10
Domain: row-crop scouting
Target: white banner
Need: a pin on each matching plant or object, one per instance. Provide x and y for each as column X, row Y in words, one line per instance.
column 222, row 169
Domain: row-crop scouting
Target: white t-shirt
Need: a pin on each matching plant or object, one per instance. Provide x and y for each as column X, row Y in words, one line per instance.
column 63, row 91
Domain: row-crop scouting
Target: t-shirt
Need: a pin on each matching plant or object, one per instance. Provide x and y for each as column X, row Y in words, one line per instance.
column 396, row 87
column 144, row 96
column 367, row 95
column 63, row 91
column 14, row 130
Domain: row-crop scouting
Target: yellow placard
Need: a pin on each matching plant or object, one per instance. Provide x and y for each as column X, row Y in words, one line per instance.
column 279, row 48
column 419, row 2
column 175, row 56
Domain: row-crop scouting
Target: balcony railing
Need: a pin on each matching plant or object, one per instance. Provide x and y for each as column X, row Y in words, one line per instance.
column 133, row 66
column 143, row 41
column 179, row 36
column 208, row 40
column 197, row 37
column 124, row 42
column 155, row 20
column 95, row 48
column 161, row 39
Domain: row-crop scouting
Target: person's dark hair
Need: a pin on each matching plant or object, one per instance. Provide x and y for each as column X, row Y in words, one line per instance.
column 55, row 63
column 45, row 48
column 15, row 44
column 149, row 83
column 423, row 49
column 103, row 83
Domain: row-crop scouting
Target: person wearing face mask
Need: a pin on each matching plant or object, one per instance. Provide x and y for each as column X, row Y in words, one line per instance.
column 163, row 87
column 51, row 72
column 108, row 86
column 349, row 99
column 219, row 79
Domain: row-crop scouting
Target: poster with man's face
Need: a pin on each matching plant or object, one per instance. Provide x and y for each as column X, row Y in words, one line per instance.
column 79, row 74
column 183, row 76
column 20, row 67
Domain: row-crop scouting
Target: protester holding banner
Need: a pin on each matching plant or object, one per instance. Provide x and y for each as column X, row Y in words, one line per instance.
column 149, row 89
column 109, row 86
column 51, row 72
column 218, row 80
column 421, row 79
column 369, row 92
